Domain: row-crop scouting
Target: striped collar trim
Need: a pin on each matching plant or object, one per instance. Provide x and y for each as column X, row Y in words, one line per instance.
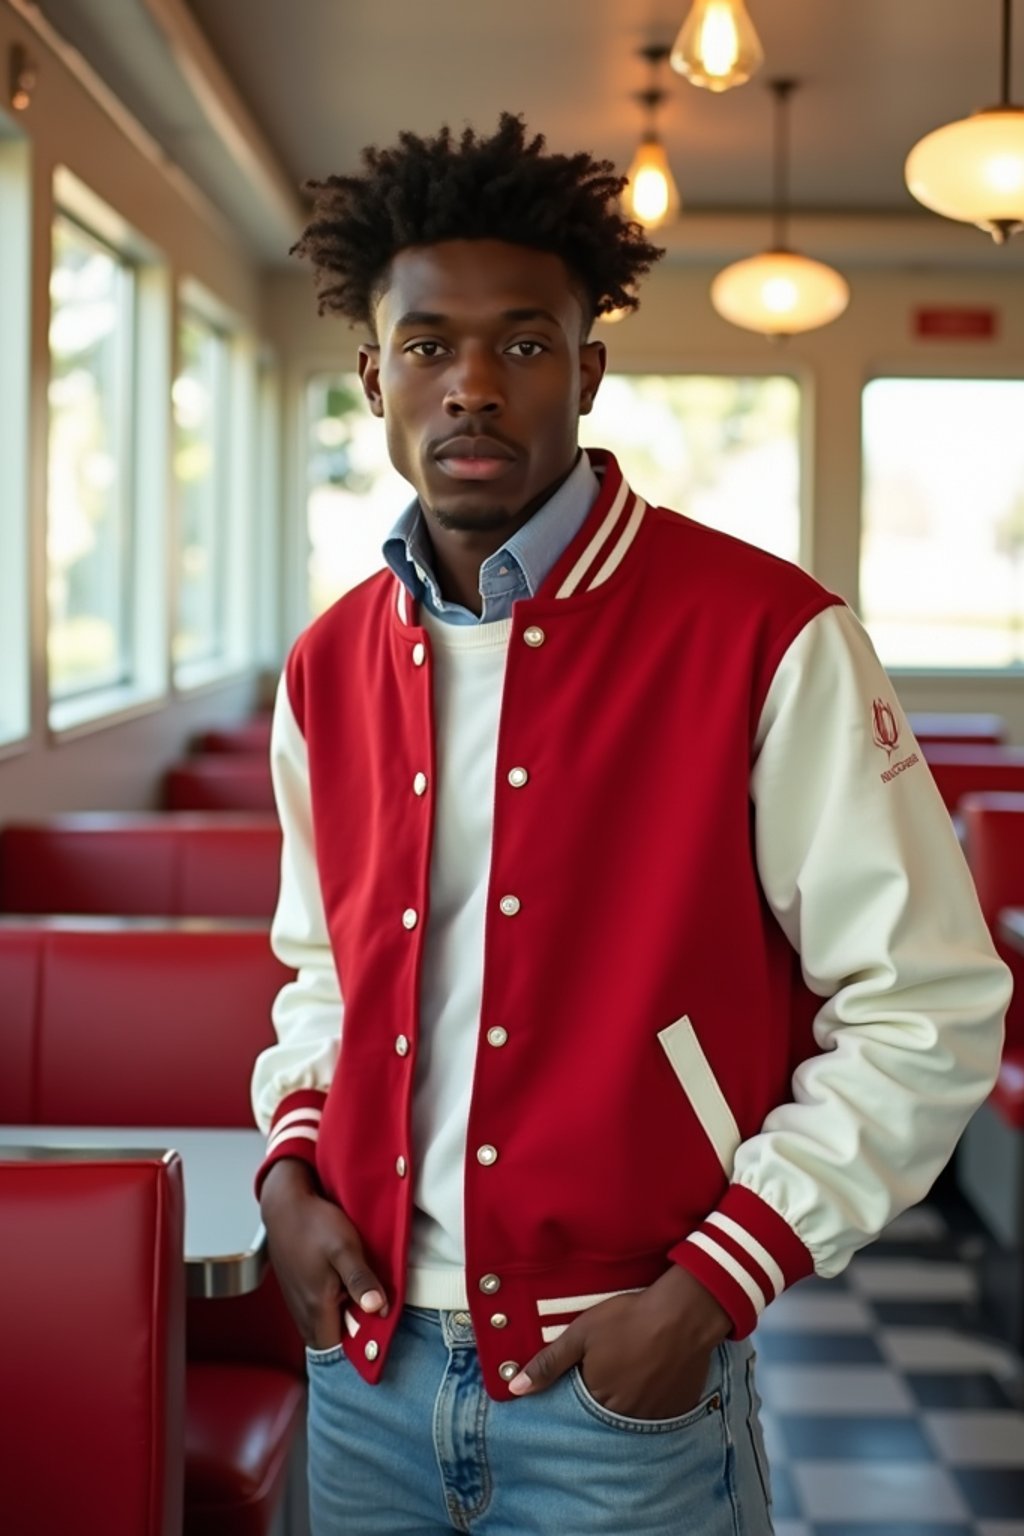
column 596, row 552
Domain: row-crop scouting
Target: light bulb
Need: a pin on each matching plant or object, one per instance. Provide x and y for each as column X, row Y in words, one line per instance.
column 973, row 170
column 652, row 195
column 779, row 293
column 717, row 46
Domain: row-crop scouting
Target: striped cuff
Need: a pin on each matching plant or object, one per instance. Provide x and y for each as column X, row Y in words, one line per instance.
column 745, row 1255
column 293, row 1131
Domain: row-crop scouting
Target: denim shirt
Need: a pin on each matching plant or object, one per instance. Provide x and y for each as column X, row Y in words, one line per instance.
column 516, row 570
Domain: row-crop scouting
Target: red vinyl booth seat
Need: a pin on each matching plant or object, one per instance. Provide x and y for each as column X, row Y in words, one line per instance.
column 994, row 844
column 251, row 737
column 220, row 781
column 92, row 1344
column 156, row 1022
column 169, row 864
column 968, row 728
column 959, row 769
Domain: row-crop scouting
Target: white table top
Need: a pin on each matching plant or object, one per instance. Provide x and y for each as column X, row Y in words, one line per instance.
column 225, row 1242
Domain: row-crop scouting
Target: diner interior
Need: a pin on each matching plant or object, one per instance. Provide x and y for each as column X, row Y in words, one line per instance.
column 828, row 362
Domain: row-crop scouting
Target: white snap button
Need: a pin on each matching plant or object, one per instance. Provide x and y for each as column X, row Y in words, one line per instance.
column 410, row 917
column 517, row 777
column 499, row 1320
column 489, row 1284
column 508, row 1369
column 419, row 784
column 487, row 1155
column 401, row 1167
column 534, row 635
column 510, row 905
column 497, row 1036
column 372, row 1350
column 419, row 654
column 402, row 1045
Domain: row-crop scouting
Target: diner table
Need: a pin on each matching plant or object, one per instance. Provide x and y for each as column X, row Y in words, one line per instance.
column 1011, row 927
column 225, row 1240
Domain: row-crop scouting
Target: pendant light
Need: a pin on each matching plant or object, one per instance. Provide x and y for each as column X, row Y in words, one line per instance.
column 651, row 197
column 973, row 169
column 780, row 292
column 717, row 46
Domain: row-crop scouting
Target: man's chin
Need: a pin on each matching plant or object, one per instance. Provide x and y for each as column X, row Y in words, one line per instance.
column 472, row 519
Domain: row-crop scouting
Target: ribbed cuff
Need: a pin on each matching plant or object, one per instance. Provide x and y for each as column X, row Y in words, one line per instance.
column 745, row 1255
column 293, row 1131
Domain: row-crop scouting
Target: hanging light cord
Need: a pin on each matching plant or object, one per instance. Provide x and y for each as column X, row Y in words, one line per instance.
column 1007, row 18
column 783, row 89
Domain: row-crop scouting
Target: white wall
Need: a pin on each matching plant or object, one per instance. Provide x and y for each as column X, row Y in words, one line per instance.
column 677, row 329
column 118, row 763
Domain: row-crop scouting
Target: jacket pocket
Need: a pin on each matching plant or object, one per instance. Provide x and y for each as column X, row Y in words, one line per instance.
column 692, row 1068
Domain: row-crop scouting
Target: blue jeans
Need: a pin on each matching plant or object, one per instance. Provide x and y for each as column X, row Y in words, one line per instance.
column 427, row 1452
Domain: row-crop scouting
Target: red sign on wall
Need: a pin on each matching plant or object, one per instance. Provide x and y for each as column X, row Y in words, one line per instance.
column 955, row 323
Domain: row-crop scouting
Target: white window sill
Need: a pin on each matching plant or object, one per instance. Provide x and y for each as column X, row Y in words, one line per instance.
column 193, row 676
column 71, row 718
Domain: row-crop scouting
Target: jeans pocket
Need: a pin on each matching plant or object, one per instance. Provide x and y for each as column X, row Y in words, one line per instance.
column 756, row 1432
column 328, row 1356
column 709, row 1404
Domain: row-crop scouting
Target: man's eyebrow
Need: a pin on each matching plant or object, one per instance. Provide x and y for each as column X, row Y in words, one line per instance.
column 414, row 317
column 420, row 317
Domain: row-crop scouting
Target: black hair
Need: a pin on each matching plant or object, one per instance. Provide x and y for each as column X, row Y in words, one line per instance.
column 500, row 188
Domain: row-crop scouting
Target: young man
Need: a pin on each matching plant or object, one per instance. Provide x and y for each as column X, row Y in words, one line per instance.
column 570, row 794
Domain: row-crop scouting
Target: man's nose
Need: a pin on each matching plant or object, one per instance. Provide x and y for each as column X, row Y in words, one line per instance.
column 475, row 386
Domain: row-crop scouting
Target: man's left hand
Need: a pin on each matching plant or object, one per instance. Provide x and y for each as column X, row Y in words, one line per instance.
column 644, row 1356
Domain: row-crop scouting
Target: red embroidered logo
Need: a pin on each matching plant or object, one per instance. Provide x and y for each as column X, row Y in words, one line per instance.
column 886, row 731
column 887, row 736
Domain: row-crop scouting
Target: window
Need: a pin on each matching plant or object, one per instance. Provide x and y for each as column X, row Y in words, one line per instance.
column 15, row 226
column 353, row 495
column 89, row 525
column 942, row 543
column 723, row 450
column 201, row 449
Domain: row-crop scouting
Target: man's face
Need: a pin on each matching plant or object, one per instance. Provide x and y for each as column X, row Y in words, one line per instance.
column 481, row 374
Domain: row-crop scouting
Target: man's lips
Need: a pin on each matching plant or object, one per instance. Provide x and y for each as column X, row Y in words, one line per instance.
column 475, row 469
column 475, row 458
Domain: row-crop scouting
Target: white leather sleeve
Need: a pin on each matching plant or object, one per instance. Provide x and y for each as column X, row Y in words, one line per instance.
column 860, row 864
column 307, row 1012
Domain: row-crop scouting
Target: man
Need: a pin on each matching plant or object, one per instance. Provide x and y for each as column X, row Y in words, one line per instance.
column 565, row 792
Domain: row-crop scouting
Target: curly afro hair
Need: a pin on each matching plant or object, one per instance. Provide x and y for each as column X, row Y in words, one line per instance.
column 497, row 188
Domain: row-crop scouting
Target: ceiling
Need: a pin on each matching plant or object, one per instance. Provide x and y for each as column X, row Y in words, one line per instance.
column 315, row 80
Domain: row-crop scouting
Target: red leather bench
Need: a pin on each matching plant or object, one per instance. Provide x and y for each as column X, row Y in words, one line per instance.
column 92, row 1340
column 253, row 736
column 968, row 728
column 960, row 769
column 167, row 864
column 155, row 1022
column 220, row 781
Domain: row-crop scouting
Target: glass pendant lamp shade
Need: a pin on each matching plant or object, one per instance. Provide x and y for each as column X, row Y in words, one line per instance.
column 779, row 293
column 973, row 170
column 717, row 46
column 652, row 195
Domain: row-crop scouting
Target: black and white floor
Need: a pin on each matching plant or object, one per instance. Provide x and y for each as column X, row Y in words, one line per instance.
column 888, row 1408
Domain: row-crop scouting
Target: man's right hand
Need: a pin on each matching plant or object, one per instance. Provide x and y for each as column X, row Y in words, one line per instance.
column 317, row 1254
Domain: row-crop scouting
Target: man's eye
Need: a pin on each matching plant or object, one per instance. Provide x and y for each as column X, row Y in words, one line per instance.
column 537, row 349
column 426, row 348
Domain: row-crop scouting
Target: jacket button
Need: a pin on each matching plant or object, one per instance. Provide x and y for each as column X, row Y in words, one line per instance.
column 534, row 635
column 510, row 905
column 402, row 1045
column 410, row 917
column 489, row 1284
column 506, row 1370
column 499, row 1320
column 487, row 1155
column 419, row 784
column 372, row 1350
column 517, row 777
column 497, row 1036
column 419, row 654
column 401, row 1167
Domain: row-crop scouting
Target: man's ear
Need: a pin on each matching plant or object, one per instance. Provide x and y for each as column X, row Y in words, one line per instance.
column 593, row 361
column 369, row 375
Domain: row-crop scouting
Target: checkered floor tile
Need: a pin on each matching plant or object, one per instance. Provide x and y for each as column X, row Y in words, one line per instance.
column 889, row 1409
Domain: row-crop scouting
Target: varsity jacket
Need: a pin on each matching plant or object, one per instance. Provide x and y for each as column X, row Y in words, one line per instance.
column 738, row 998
